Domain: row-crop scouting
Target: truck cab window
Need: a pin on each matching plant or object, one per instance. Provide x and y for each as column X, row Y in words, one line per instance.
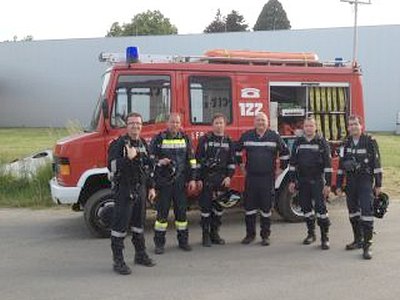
column 149, row 95
column 208, row 96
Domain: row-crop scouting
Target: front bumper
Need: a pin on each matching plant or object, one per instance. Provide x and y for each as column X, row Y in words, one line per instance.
column 63, row 195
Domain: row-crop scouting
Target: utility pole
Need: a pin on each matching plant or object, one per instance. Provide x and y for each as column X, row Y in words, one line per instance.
column 355, row 29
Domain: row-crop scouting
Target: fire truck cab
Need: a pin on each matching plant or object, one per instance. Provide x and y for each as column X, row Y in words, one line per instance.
column 286, row 86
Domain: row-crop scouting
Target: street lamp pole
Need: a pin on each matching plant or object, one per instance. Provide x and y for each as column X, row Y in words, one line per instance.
column 355, row 29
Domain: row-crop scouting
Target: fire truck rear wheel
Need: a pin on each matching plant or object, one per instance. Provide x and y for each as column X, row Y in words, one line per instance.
column 98, row 213
column 288, row 206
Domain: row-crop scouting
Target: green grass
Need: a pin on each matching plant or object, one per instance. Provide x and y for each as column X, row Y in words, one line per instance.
column 20, row 142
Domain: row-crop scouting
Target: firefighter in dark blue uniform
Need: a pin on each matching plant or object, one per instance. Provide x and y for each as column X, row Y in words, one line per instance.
column 262, row 147
column 360, row 164
column 131, row 176
column 175, row 166
column 310, row 166
column 216, row 156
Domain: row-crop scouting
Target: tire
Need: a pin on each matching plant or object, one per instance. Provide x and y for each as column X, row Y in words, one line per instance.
column 288, row 206
column 98, row 213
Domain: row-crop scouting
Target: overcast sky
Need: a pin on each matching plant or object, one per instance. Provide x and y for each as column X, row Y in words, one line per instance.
column 49, row 19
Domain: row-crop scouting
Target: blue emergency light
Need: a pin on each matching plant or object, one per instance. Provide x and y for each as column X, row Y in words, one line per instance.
column 132, row 54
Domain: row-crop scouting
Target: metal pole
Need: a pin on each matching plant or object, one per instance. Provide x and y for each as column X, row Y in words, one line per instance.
column 355, row 34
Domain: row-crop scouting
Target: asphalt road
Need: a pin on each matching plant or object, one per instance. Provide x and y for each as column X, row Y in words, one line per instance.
column 49, row 254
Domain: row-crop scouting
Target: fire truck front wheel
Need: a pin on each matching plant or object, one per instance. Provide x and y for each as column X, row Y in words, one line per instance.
column 288, row 206
column 98, row 213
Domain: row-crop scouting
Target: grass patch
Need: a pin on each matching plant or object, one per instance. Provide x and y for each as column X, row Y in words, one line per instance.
column 18, row 143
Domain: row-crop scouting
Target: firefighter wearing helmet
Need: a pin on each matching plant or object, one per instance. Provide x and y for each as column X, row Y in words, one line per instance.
column 360, row 163
column 262, row 146
column 215, row 155
column 310, row 167
column 175, row 167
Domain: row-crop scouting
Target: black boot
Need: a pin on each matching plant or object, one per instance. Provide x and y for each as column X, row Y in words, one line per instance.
column 159, row 242
column 250, row 229
column 265, row 232
column 205, row 225
column 358, row 239
column 311, row 238
column 324, row 226
column 214, row 233
column 183, row 240
column 367, row 247
column 117, row 246
column 141, row 257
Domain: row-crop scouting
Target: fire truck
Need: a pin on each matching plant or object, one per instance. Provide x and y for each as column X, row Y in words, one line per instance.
column 286, row 86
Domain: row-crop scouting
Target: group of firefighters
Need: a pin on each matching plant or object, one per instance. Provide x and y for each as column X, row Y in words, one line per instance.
column 161, row 172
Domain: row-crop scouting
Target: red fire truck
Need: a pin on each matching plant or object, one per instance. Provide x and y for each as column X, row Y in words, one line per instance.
column 239, row 84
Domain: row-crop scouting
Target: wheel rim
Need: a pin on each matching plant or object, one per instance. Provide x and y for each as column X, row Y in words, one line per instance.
column 104, row 213
column 295, row 205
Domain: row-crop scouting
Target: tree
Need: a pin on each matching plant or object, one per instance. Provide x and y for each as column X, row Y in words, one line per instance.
column 235, row 22
column 218, row 25
column 232, row 22
column 272, row 17
column 146, row 23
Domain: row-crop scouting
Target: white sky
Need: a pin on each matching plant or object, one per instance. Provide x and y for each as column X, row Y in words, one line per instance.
column 49, row 19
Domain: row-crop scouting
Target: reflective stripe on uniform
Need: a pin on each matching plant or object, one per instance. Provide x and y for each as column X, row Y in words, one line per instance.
column 160, row 226
column 251, row 212
column 137, row 230
column 356, row 214
column 118, row 234
column 292, row 168
column 367, row 218
column 284, row 157
column 193, row 163
column 378, row 170
column 361, row 151
column 328, row 170
column 260, row 144
column 218, row 145
column 339, row 171
column 306, row 146
column 309, row 214
column 265, row 215
column 114, row 166
column 232, row 166
column 205, row 215
column 173, row 144
column 217, row 213
column 181, row 225
column 322, row 216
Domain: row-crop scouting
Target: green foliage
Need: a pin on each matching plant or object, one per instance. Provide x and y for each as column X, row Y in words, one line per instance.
column 272, row 17
column 146, row 23
column 232, row 22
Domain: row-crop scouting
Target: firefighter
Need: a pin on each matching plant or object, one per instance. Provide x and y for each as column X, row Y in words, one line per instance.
column 215, row 155
column 360, row 164
column 310, row 166
column 130, row 173
column 175, row 166
column 262, row 146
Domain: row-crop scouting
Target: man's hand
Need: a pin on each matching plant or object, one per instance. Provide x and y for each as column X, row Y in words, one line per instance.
column 199, row 185
column 131, row 152
column 339, row 192
column 377, row 191
column 292, row 187
column 192, row 186
column 226, row 182
column 326, row 191
column 151, row 195
column 165, row 161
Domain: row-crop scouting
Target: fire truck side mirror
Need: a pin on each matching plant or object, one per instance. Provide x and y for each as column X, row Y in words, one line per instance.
column 104, row 107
